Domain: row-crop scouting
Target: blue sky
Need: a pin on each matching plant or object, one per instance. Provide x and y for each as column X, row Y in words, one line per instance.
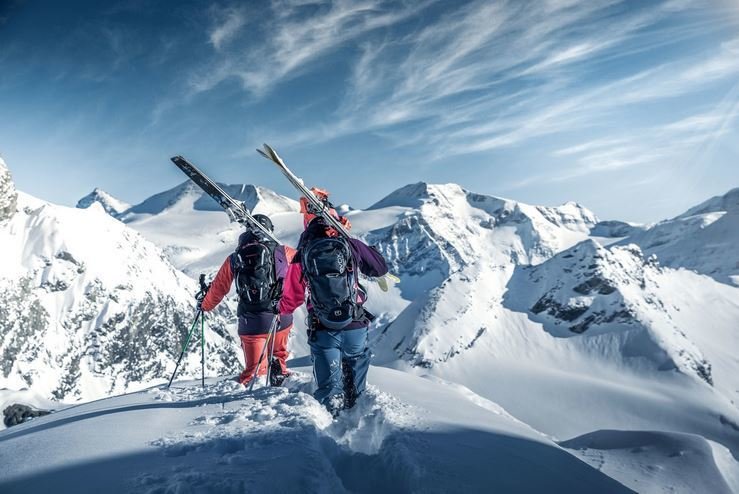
column 628, row 107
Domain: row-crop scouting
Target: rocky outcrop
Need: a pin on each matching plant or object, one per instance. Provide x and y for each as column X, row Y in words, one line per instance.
column 8, row 194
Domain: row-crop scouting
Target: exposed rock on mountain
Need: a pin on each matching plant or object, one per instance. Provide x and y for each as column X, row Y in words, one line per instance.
column 8, row 194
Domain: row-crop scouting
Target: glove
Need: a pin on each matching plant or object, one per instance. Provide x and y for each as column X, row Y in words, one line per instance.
column 199, row 297
column 345, row 221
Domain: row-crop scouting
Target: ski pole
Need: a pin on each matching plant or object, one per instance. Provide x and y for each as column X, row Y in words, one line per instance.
column 264, row 350
column 202, row 350
column 184, row 348
column 271, row 356
column 204, row 287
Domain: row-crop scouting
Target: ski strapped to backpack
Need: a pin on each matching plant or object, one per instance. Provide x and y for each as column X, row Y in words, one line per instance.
column 236, row 210
column 320, row 208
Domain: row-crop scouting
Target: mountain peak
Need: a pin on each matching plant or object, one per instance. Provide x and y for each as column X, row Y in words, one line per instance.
column 189, row 196
column 110, row 204
column 8, row 194
column 415, row 195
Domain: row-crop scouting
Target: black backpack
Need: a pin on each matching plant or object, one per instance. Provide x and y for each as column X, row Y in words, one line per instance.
column 330, row 271
column 253, row 265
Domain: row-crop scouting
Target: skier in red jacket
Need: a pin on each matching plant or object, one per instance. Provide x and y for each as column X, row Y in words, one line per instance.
column 258, row 268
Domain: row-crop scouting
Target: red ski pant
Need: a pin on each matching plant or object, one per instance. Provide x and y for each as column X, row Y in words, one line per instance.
column 253, row 346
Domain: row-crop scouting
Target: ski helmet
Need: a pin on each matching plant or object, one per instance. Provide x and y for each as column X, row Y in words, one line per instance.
column 264, row 220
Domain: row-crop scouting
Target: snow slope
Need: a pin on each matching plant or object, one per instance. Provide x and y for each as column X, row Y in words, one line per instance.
column 703, row 239
column 89, row 308
column 668, row 461
column 404, row 438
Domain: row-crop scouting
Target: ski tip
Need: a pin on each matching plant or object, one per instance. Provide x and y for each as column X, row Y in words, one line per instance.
column 177, row 158
column 263, row 154
column 271, row 152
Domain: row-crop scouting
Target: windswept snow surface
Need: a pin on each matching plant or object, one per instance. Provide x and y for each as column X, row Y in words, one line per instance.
column 668, row 461
column 403, row 436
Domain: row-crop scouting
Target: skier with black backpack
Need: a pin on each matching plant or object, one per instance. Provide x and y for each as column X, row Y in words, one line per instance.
column 327, row 265
column 258, row 268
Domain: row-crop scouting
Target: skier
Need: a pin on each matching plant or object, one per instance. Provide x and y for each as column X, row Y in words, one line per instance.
column 327, row 265
column 258, row 267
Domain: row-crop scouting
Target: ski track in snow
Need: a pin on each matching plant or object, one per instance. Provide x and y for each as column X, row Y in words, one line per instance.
column 241, row 438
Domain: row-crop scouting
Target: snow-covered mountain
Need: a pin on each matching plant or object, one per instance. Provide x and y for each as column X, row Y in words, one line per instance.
column 110, row 204
column 186, row 195
column 594, row 345
column 619, row 298
column 191, row 227
column 89, row 308
column 518, row 303
column 428, row 232
column 703, row 239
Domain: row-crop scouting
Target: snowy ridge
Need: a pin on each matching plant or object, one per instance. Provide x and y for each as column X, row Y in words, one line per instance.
column 703, row 239
column 188, row 195
column 444, row 228
column 615, row 229
column 221, row 439
column 110, row 204
column 728, row 202
column 686, row 462
column 89, row 308
column 591, row 288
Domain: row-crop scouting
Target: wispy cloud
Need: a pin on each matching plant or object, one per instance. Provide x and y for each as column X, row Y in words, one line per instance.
column 491, row 75
column 228, row 23
column 293, row 39
column 683, row 140
column 484, row 75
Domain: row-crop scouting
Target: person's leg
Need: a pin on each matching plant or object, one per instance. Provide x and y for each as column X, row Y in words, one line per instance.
column 253, row 346
column 280, row 353
column 355, row 356
column 278, row 369
column 325, row 352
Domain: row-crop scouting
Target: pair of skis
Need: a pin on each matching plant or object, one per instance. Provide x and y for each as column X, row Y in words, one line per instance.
column 319, row 206
column 235, row 209
column 239, row 213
